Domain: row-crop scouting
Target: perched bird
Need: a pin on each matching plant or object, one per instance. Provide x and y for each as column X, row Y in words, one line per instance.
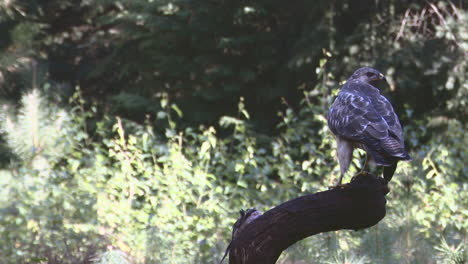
column 362, row 118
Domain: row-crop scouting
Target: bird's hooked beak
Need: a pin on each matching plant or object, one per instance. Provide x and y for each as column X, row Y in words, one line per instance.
column 382, row 77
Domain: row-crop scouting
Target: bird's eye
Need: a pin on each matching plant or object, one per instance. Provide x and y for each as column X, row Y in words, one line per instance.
column 370, row 74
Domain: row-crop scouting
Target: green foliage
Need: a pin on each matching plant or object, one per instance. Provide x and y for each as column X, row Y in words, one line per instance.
column 206, row 55
column 112, row 257
column 133, row 131
column 42, row 204
column 351, row 260
column 168, row 198
column 36, row 130
column 451, row 254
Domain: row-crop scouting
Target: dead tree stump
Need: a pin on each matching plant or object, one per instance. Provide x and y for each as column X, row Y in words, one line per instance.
column 261, row 239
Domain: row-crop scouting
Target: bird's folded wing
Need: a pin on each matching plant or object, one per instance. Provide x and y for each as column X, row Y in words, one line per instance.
column 359, row 119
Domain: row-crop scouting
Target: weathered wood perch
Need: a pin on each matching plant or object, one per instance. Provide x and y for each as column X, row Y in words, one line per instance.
column 262, row 237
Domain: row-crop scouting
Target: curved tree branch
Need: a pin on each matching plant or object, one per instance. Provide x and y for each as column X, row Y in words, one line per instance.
column 261, row 239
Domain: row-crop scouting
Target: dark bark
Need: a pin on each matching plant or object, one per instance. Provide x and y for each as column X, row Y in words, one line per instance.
column 358, row 205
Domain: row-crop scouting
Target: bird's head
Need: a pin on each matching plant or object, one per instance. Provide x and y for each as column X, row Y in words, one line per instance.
column 366, row 74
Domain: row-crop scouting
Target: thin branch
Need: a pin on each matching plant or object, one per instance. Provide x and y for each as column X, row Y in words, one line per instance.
column 403, row 24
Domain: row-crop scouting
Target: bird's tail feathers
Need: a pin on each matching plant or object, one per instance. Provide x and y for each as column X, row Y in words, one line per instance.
column 379, row 159
column 387, row 160
column 389, row 171
column 405, row 157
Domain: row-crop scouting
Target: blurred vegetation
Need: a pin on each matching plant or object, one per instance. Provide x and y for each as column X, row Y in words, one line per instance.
column 133, row 131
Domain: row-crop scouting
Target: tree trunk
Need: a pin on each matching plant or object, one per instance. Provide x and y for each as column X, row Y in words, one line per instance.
column 261, row 238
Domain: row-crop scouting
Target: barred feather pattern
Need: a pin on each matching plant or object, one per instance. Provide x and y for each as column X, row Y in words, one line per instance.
column 365, row 118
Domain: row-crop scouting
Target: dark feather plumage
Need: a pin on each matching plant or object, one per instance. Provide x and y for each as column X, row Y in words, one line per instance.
column 366, row 119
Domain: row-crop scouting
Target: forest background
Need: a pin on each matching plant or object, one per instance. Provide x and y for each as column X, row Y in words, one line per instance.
column 133, row 131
